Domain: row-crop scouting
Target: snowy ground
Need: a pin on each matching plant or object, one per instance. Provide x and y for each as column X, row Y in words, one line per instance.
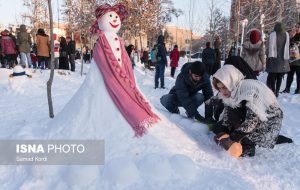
column 183, row 155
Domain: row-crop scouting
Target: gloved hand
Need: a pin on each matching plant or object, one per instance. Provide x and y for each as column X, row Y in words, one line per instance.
column 202, row 119
column 214, row 100
column 199, row 117
column 235, row 149
column 210, row 120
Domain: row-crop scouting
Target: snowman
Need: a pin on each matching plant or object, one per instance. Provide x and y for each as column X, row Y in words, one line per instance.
column 109, row 98
column 19, row 81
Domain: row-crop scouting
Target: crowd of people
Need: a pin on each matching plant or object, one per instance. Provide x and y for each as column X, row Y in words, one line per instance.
column 36, row 55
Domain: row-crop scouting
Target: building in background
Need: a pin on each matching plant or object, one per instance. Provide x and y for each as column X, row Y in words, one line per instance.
column 179, row 36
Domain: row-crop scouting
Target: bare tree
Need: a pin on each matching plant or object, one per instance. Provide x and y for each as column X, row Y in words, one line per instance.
column 193, row 22
column 263, row 14
column 147, row 17
column 49, row 82
column 215, row 22
column 37, row 15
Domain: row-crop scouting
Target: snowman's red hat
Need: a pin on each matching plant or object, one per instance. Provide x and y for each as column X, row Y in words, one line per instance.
column 119, row 8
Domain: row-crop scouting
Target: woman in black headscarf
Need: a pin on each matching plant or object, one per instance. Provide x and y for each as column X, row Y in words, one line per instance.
column 242, row 66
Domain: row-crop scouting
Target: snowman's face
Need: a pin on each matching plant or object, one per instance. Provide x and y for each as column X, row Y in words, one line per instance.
column 110, row 22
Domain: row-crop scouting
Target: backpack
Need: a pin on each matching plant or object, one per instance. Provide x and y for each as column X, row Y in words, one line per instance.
column 153, row 55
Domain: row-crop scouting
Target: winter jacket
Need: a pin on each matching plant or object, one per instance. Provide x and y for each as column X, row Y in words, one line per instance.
column 8, row 45
column 43, row 45
column 278, row 53
column 254, row 55
column 71, row 47
column 208, row 56
column 174, row 56
column 24, row 40
column 145, row 56
column 184, row 89
column 161, row 50
column 242, row 123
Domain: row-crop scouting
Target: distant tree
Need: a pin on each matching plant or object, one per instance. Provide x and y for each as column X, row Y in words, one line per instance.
column 37, row 15
column 147, row 17
column 215, row 22
column 263, row 14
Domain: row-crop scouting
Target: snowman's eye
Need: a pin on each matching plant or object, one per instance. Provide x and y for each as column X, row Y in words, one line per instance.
column 116, row 16
column 110, row 15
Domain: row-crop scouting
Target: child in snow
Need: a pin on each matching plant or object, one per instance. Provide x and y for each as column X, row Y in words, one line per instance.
column 257, row 117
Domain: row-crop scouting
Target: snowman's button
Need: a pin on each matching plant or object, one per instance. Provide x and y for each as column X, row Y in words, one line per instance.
column 116, row 39
column 119, row 59
column 118, row 49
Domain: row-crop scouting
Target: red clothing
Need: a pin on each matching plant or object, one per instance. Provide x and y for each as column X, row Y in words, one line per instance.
column 33, row 58
column 8, row 45
column 174, row 57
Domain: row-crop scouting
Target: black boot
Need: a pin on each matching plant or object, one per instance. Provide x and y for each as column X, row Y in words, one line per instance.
column 297, row 91
column 282, row 139
column 248, row 147
column 286, row 90
column 248, row 150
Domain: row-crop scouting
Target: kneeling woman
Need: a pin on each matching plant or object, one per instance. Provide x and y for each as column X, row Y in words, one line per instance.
column 252, row 115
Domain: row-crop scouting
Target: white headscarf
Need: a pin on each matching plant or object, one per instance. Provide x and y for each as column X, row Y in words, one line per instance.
column 258, row 96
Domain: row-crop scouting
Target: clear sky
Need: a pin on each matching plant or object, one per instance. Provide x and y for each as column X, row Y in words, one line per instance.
column 11, row 10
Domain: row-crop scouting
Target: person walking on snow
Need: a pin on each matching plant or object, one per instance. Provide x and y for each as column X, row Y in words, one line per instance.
column 278, row 57
column 174, row 56
column 254, row 51
column 43, row 47
column 161, row 63
column 71, row 52
column 209, row 58
column 24, row 43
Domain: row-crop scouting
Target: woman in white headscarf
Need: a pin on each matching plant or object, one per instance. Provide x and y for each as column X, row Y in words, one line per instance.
column 256, row 119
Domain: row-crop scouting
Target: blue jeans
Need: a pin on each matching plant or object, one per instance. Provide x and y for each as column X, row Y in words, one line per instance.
column 159, row 73
column 171, row 103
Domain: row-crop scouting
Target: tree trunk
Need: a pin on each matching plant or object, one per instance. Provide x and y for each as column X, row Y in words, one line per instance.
column 81, row 70
column 49, row 82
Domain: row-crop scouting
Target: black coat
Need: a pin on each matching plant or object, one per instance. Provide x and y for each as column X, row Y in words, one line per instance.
column 208, row 56
column 161, row 50
column 184, row 89
column 71, row 47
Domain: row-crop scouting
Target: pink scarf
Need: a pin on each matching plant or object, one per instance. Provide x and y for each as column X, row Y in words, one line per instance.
column 120, row 84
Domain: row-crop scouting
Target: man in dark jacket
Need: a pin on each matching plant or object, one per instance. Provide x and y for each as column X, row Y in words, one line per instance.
column 192, row 79
column 208, row 58
column 161, row 62
column 71, row 52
